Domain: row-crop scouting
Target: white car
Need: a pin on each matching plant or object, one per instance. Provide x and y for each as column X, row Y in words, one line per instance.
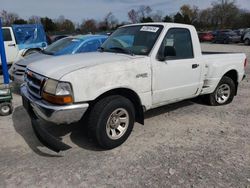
column 139, row 67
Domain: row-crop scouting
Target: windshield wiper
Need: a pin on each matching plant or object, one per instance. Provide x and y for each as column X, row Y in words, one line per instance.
column 124, row 50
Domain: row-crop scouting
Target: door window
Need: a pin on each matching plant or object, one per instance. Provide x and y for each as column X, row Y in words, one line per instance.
column 90, row 46
column 177, row 44
column 7, row 35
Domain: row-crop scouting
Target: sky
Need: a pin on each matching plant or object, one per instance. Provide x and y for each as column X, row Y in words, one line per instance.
column 78, row 10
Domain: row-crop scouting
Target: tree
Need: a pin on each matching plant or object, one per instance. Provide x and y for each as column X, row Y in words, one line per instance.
column 133, row 16
column 34, row 20
column 146, row 19
column 67, row 25
column 144, row 11
column 48, row 24
column 20, row 21
column 189, row 14
column 110, row 21
column 8, row 18
column 63, row 24
column 88, row 26
column 141, row 14
column 224, row 13
column 157, row 17
column 167, row 19
column 178, row 18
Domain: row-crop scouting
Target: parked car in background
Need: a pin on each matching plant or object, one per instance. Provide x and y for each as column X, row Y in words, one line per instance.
column 206, row 36
column 246, row 38
column 68, row 45
column 55, row 38
column 244, row 33
column 21, row 40
column 226, row 37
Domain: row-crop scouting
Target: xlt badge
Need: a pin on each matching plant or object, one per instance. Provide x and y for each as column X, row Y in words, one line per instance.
column 142, row 75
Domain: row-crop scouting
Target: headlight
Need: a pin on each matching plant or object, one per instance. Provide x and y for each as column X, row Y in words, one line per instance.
column 50, row 86
column 57, row 92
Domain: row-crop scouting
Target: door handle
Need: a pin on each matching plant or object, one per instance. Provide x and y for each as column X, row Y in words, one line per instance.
column 194, row 66
column 10, row 45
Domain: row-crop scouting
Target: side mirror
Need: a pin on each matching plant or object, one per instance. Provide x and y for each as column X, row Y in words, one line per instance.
column 160, row 55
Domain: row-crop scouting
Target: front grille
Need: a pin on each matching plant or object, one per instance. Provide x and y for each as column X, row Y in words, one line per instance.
column 35, row 83
column 19, row 70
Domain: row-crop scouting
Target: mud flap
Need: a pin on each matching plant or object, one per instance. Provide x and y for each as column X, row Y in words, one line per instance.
column 47, row 139
column 43, row 136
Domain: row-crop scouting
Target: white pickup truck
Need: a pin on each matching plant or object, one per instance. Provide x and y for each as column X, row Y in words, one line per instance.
column 139, row 67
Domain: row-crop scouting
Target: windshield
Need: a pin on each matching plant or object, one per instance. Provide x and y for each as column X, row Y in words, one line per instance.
column 138, row 40
column 63, row 46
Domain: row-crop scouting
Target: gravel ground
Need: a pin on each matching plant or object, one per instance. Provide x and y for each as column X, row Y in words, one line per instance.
column 187, row 144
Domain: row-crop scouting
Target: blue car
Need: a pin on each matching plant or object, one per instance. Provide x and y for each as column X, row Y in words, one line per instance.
column 65, row 46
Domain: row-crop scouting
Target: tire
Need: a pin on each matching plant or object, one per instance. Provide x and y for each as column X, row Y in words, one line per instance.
column 5, row 108
column 105, row 126
column 247, row 42
column 223, row 94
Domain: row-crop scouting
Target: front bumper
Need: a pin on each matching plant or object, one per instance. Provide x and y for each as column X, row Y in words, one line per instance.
column 57, row 114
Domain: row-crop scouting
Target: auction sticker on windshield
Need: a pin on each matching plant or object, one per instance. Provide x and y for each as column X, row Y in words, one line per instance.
column 150, row 29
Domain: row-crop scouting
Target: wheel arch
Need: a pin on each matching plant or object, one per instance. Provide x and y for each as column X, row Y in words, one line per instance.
column 30, row 49
column 129, row 94
column 233, row 74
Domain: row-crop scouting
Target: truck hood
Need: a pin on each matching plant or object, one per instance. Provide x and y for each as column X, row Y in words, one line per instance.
column 57, row 67
column 32, row 58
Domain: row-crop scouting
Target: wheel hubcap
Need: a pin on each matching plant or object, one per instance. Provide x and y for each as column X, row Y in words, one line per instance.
column 117, row 123
column 222, row 93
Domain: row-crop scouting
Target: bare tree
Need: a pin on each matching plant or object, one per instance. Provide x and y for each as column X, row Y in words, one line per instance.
column 224, row 12
column 142, row 13
column 34, row 20
column 158, row 16
column 190, row 12
column 110, row 21
column 133, row 16
column 8, row 17
column 89, row 26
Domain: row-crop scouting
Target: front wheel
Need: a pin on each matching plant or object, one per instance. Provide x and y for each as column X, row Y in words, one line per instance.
column 223, row 94
column 111, row 121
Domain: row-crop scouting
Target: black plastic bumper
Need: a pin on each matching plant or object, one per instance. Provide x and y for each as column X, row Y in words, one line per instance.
column 43, row 136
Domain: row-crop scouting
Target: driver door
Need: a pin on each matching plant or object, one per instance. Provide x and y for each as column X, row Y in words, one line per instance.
column 176, row 74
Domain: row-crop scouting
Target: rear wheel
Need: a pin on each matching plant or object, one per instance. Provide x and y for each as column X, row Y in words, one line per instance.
column 223, row 94
column 111, row 121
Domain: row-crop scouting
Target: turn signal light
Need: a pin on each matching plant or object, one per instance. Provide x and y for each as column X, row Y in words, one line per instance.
column 57, row 99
